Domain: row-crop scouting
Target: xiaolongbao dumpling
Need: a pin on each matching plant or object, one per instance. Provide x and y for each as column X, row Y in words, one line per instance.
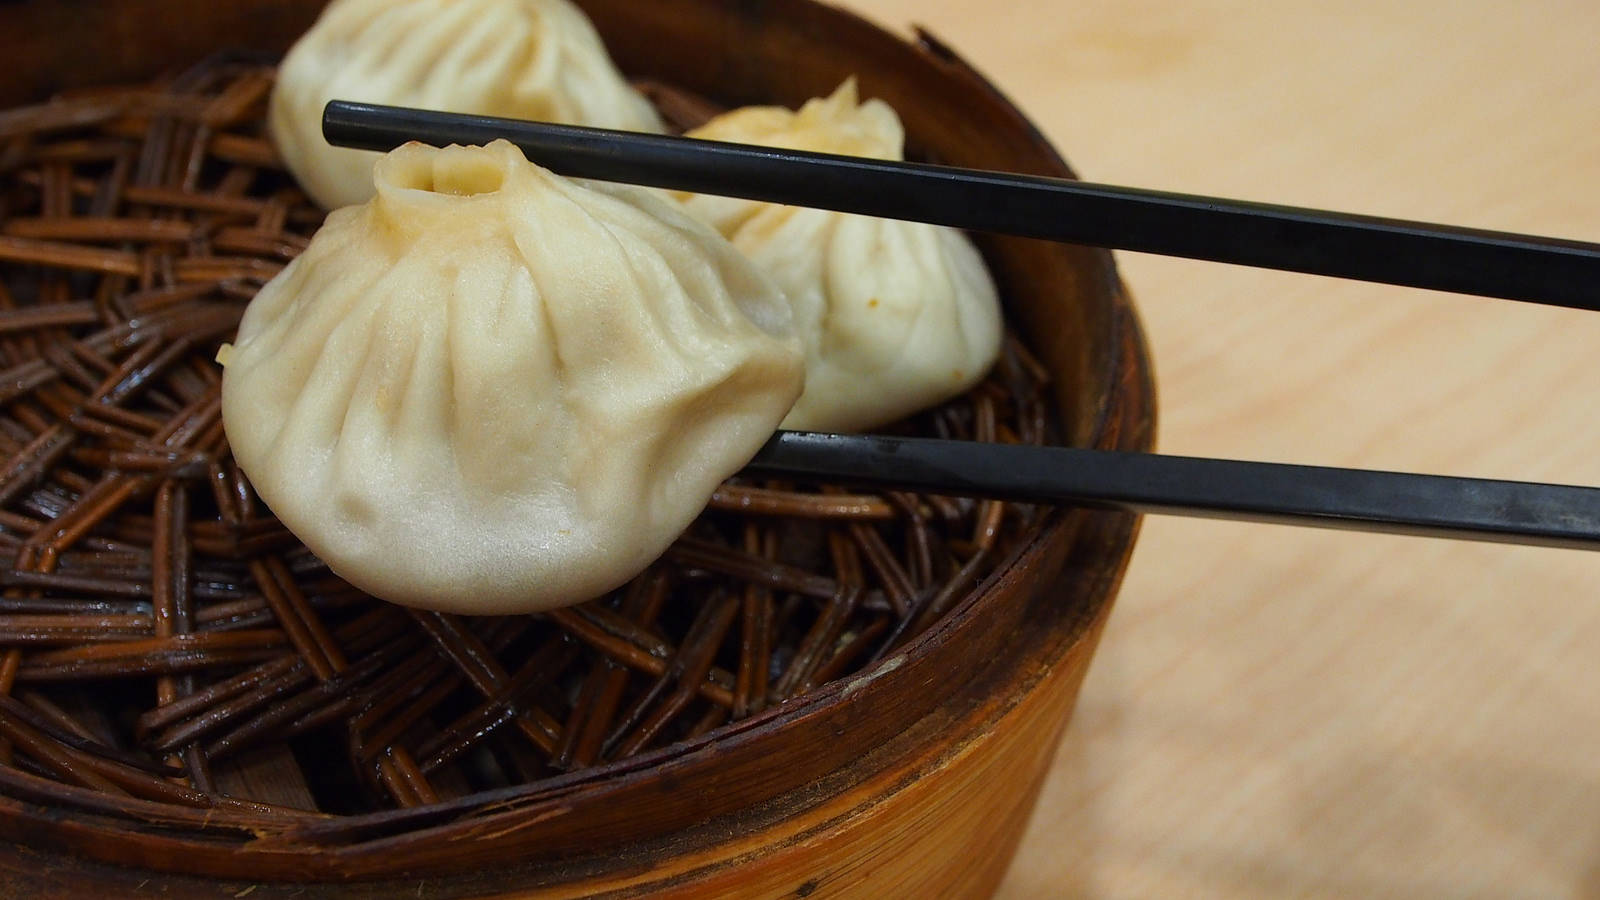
column 525, row 59
column 494, row 390
column 896, row 316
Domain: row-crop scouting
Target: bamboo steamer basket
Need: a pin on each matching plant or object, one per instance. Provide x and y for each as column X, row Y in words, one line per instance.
column 915, row 778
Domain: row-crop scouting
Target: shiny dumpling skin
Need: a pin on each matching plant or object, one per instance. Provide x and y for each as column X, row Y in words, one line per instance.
column 896, row 316
column 526, row 59
column 494, row 390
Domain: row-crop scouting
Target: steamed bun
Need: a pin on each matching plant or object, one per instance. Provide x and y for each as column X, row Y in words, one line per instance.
column 524, row 59
column 896, row 316
column 495, row 390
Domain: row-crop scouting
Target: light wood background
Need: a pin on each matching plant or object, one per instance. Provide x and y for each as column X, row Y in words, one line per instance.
column 1278, row 711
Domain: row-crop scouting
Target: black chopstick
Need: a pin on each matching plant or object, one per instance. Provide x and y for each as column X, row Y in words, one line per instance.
column 1392, row 251
column 1350, row 499
column 1561, row 273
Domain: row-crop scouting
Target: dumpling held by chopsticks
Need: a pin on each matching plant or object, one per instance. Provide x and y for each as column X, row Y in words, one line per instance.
column 495, row 390
column 524, row 59
column 896, row 316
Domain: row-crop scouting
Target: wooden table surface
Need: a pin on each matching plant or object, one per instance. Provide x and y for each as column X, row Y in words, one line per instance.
column 1282, row 711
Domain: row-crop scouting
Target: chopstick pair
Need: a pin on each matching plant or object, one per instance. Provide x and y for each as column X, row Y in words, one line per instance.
column 1493, row 264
